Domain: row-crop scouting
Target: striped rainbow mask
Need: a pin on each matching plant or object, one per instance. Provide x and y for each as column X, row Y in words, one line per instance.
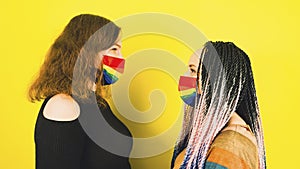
column 187, row 88
column 113, row 67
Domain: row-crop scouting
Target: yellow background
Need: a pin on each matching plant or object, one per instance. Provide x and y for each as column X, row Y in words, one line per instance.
column 266, row 30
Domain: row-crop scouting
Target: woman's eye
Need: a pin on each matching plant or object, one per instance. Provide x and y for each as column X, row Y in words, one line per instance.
column 114, row 49
column 193, row 71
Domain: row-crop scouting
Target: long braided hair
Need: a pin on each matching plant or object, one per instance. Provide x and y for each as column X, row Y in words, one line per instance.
column 227, row 85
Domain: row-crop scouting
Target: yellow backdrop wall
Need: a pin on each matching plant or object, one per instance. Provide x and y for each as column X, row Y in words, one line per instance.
column 266, row 30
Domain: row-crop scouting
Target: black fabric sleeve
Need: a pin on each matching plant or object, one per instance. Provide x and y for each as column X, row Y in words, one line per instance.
column 59, row 145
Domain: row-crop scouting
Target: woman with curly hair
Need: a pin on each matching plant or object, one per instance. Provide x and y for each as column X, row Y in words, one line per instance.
column 71, row 82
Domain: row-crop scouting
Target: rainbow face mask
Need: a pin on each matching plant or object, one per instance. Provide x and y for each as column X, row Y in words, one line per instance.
column 187, row 88
column 113, row 67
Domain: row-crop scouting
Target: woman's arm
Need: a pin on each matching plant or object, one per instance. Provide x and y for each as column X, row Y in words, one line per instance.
column 59, row 138
column 59, row 145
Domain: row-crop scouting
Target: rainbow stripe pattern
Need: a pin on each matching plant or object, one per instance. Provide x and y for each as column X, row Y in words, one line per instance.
column 187, row 88
column 112, row 68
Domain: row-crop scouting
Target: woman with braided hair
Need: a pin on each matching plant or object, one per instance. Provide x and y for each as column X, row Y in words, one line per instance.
column 226, row 129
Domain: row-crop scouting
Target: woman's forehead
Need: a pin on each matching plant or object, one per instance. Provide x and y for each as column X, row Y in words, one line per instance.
column 194, row 59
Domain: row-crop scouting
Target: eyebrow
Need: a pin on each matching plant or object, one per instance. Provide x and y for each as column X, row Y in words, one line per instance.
column 118, row 45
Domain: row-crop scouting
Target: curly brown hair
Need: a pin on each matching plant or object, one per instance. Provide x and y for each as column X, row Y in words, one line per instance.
column 69, row 66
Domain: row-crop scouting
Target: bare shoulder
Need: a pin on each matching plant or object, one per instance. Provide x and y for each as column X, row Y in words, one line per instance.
column 61, row 107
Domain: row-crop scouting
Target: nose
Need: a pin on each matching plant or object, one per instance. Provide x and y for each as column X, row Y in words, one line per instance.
column 120, row 54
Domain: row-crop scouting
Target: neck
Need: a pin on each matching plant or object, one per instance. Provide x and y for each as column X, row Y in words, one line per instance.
column 236, row 123
column 236, row 119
